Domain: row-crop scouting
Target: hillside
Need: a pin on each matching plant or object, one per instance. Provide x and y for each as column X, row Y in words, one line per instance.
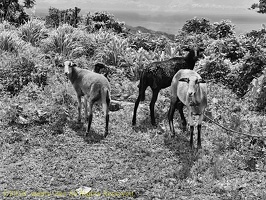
column 145, row 30
column 44, row 151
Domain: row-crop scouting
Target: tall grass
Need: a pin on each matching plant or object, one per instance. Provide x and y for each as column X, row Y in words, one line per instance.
column 64, row 40
column 101, row 41
column 33, row 31
column 8, row 42
column 115, row 51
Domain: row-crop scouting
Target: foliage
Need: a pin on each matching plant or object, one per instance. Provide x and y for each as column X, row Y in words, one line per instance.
column 39, row 121
column 256, row 33
column 13, row 11
column 222, row 29
column 148, row 42
column 261, row 6
column 235, row 62
column 197, row 25
column 252, row 67
column 9, row 42
column 114, row 51
column 103, row 20
column 110, row 47
column 64, row 40
column 6, row 26
column 56, row 17
column 141, row 41
column 33, row 31
column 18, row 72
column 216, row 70
column 261, row 99
column 217, row 30
column 233, row 49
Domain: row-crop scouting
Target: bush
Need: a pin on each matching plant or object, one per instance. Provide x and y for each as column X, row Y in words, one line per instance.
column 110, row 47
column 58, row 17
column 6, row 26
column 233, row 49
column 114, row 51
column 64, row 40
column 252, row 67
column 222, row 29
column 236, row 77
column 261, row 99
column 33, row 31
column 9, row 42
column 34, row 106
column 18, row 72
column 256, row 34
column 216, row 70
column 103, row 20
column 197, row 26
column 148, row 42
column 14, row 11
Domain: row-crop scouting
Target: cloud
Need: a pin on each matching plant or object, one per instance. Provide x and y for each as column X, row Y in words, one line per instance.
column 216, row 6
column 224, row 4
column 171, row 6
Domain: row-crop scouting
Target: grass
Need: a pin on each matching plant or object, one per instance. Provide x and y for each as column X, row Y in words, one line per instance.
column 45, row 155
column 139, row 162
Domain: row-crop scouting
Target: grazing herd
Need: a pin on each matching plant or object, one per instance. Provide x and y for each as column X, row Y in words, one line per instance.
column 187, row 89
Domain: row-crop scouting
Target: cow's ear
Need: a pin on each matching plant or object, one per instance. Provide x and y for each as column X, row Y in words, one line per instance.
column 186, row 49
column 201, row 81
column 201, row 49
column 184, row 80
column 73, row 64
column 60, row 65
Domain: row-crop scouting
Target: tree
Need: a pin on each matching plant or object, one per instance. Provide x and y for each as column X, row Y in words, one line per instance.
column 222, row 29
column 197, row 26
column 261, row 6
column 68, row 16
column 13, row 10
column 29, row 3
column 106, row 20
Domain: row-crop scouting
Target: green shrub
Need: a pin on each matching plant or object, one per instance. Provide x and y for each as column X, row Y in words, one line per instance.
column 64, row 40
column 35, row 106
column 9, row 42
column 234, row 62
column 57, row 17
column 133, row 62
column 261, row 99
column 252, row 67
column 222, row 29
column 6, row 26
column 216, row 70
column 16, row 72
column 87, row 44
column 110, row 47
column 33, row 31
column 114, row 51
column 148, row 42
column 103, row 20
column 233, row 49
column 196, row 25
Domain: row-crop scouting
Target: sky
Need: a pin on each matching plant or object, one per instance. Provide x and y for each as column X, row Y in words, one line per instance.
column 167, row 15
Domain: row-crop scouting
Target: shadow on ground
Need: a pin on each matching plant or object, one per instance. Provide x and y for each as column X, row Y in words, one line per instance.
column 145, row 124
column 79, row 128
column 179, row 145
